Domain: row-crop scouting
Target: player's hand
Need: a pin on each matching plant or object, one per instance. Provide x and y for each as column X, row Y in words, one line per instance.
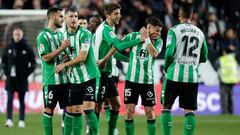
column 144, row 33
column 101, row 63
column 65, row 43
column 65, row 58
column 60, row 67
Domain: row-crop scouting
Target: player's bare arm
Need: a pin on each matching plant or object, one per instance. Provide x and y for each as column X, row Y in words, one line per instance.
column 49, row 57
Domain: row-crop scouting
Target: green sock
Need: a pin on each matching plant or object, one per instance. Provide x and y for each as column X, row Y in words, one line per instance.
column 68, row 122
column 107, row 112
column 129, row 127
column 166, row 122
column 112, row 124
column 92, row 121
column 47, row 123
column 189, row 123
column 151, row 126
column 77, row 124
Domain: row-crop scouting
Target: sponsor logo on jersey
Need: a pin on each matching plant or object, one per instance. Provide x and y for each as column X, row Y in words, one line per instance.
column 169, row 39
column 42, row 48
column 112, row 34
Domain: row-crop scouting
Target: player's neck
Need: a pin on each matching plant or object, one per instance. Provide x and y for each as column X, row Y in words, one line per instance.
column 52, row 27
column 72, row 30
column 185, row 21
column 109, row 22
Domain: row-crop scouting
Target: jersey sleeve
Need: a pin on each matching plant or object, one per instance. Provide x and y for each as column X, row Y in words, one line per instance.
column 110, row 37
column 121, row 57
column 42, row 44
column 170, row 48
column 128, row 41
column 86, row 41
column 204, row 52
column 158, row 45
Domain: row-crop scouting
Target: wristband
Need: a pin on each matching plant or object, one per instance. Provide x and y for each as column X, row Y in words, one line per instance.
column 147, row 41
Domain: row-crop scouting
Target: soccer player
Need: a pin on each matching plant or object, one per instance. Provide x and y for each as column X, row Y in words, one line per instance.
column 83, row 74
column 186, row 49
column 82, row 21
column 51, row 51
column 104, row 40
column 140, row 75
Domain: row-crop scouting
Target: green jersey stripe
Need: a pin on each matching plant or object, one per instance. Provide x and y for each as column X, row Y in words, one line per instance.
column 133, row 65
column 190, row 73
column 181, row 72
column 150, row 71
column 136, row 79
column 146, row 66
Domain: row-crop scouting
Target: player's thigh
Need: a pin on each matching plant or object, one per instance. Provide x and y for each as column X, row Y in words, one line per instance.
column 50, row 96
column 102, row 92
column 112, row 90
column 131, row 93
column 62, row 93
column 115, row 103
column 147, row 94
column 188, row 96
column 169, row 93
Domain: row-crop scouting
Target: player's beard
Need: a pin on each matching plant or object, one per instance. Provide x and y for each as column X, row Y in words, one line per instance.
column 58, row 24
column 116, row 21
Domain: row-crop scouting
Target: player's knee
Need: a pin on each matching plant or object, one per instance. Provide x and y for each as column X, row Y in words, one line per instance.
column 130, row 112
column 48, row 110
column 98, row 108
column 116, row 106
column 149, row 112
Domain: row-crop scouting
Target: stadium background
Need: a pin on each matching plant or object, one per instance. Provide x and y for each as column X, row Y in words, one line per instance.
column 214, row 17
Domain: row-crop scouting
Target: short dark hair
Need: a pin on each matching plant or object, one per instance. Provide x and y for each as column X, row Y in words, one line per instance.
column 82, row 17
column 109, row 8
column 187, row 9
column 52, row 11
column 71, row 9
column 154, row 21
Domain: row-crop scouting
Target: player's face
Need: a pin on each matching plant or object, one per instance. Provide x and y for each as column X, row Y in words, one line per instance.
column 92, row 23
column 71, row 19
column 154, row 31
column 83, row 23
column 58, row 20
column 115, row 16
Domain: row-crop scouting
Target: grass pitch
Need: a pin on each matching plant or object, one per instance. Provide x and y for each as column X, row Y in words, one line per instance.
column 206, row 125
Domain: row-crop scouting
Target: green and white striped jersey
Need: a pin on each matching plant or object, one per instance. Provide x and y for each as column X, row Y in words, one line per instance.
column 114, row 61
column 104, row 39
column 83, row 71
column 47, row 42
column 186, row 48
column 141, row 64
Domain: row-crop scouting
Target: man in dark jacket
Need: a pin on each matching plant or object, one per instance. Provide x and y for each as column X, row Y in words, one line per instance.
column 18, row 62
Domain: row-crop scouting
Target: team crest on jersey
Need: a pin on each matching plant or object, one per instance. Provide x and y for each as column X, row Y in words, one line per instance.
column 169, row 39
column 87, row 41
column 112, row 34
column 42, row 48
column 160, row 44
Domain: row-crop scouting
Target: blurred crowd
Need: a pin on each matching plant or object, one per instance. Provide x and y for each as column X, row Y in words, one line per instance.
column 219, row 19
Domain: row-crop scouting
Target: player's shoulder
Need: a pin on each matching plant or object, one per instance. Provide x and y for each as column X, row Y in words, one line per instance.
column 41, row 34
column 159, row 39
